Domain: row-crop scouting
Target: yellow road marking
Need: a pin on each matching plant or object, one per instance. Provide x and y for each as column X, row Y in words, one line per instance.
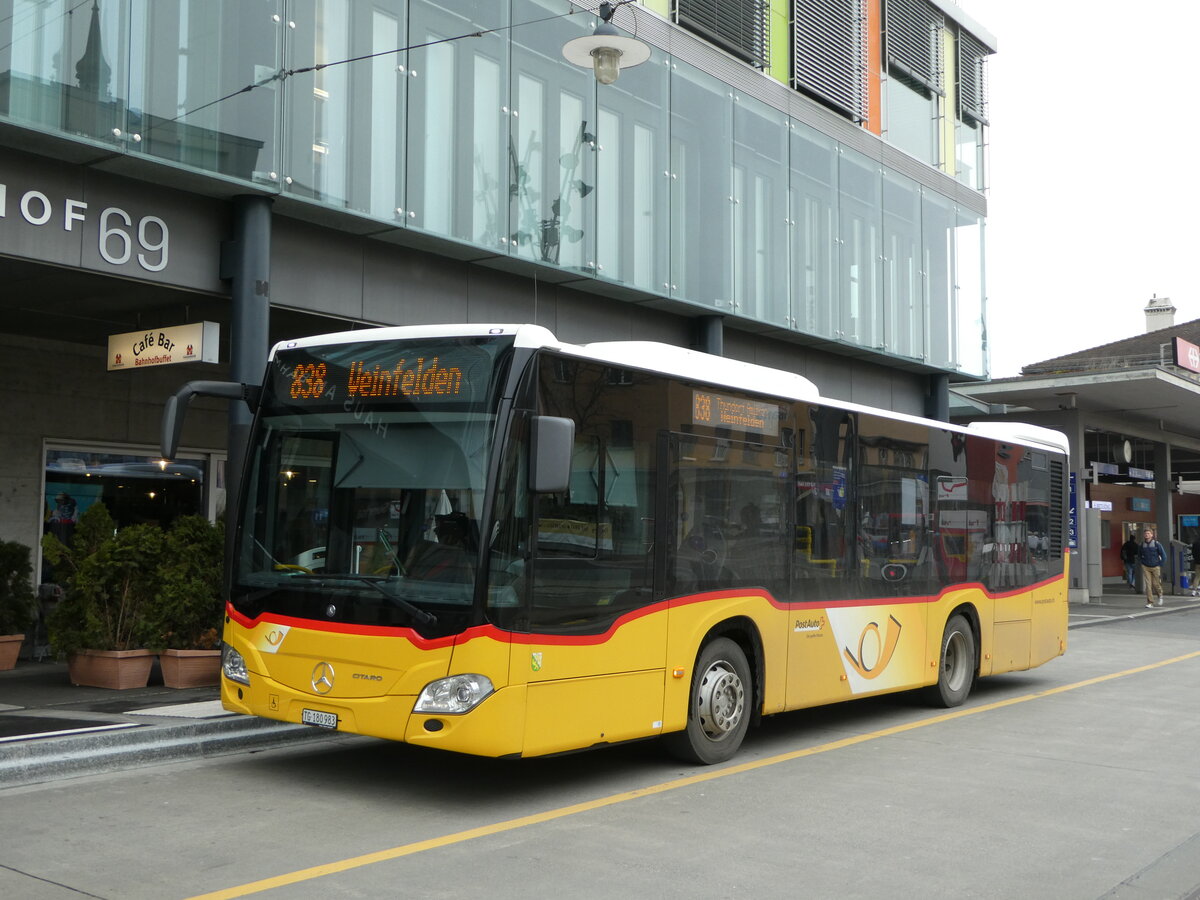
column 459, row 837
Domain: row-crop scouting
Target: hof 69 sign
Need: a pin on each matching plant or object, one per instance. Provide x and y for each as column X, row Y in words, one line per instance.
column 164, row 346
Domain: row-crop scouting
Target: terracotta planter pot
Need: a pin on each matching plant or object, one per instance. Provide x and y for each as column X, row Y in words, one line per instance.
column 190, row 668
column 10, row 646
column 116, row 669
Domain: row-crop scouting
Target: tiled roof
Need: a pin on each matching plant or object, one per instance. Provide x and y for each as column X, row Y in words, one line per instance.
column 1139, row 351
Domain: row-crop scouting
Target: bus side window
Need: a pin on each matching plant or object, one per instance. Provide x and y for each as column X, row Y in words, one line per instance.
column 595, row 540
column 825, row 497
column 730, row 522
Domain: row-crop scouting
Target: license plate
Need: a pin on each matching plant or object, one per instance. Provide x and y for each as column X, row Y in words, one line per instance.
column 319, row 718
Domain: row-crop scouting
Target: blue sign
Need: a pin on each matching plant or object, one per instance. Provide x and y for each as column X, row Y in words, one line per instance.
column 1189, row 521
column 1139, row 504
column 839, row 487
column 1141, row 474
column 1105, row 468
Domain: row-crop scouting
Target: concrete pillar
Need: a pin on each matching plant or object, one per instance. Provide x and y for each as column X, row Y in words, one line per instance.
column 246, row 263
column 1164, row 511
column 1078, row 588
column 710, row 335
column 937, row 400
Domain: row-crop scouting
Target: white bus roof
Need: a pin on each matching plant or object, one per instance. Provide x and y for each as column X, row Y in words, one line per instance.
column 680, row 362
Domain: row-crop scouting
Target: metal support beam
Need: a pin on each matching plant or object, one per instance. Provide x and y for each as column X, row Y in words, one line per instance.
column 246, row 263
column 937, row 400
column 710, row 334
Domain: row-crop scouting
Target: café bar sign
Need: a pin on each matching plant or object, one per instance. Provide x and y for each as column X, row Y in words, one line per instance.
column 164, row 346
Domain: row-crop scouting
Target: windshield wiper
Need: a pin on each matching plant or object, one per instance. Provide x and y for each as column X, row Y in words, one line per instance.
column 423, row 616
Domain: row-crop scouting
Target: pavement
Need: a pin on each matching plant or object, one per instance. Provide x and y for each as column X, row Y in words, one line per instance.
column 51, row 729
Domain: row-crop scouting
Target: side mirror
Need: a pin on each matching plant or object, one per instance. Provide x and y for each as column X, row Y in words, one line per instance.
column 553, row 440
column 172, row 422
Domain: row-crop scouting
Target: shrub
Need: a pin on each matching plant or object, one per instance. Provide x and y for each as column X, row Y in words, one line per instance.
column 111, row 581
column 16, row 590
column 189, row 608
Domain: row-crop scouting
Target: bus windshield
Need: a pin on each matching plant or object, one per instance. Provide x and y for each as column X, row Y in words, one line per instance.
column 365, row 484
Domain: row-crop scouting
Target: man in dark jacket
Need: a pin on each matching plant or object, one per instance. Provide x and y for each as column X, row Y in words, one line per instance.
column 1151, row 555
column 1129, row 556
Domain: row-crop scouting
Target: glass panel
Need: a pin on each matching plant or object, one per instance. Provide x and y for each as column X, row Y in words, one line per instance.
column 345, row 134
column 632, row 178
column 701, row 187
column 969, row 297
column 760, row 154
column 66, row 68
column 553, row 141
column 457, row 176
column 904, row 324
column 969, row 150
column 911, row 118
column 937, row 234
column 860, row 271
column 192, row 60
column 814, row 204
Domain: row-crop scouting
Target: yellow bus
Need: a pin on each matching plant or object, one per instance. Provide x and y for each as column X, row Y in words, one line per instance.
column 482, row 539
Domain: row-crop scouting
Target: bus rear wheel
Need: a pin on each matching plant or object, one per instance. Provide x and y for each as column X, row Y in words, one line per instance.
column 956, row 668
column 719, row 705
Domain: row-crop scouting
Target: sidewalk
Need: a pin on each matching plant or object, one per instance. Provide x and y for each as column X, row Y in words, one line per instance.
column 51, row 729
column 1124, row 604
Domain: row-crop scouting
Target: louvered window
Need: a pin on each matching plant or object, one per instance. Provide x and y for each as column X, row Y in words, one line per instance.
column 912, row 43
column 1058, row 508
column 739, row 26
column 972, row 77
column 829, row 53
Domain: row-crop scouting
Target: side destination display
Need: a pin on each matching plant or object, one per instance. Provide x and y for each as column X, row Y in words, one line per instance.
column 723, row 411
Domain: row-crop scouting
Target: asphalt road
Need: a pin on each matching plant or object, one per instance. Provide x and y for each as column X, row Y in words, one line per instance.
column 1076, row 780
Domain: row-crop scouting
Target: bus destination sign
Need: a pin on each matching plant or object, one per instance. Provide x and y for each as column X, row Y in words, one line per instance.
column 722, row 411
column 382, row 372
column 413, row 379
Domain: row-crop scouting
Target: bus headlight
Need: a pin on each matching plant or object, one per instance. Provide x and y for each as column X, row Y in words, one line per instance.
column 233, row 665
column 454, row 695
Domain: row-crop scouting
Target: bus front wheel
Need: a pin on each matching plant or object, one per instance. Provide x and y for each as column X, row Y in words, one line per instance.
column 956, row 668
column 719, row 705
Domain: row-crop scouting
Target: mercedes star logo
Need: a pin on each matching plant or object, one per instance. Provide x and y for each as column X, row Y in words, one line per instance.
column 322, row 678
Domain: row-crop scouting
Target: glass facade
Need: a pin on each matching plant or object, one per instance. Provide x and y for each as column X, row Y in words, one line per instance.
column 461, row 119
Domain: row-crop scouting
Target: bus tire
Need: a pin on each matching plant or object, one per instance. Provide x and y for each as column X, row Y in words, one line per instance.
column 956, row 667
column 719, row 707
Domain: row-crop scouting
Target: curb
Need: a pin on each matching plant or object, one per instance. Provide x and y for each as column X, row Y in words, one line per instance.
column 1125, row 617
column 44, row 759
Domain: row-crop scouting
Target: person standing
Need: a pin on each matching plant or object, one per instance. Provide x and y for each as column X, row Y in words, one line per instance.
column 1129, row 556
column 1152, row 556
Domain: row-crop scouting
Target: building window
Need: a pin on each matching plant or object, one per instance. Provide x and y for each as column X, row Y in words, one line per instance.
column 829, row 54
column 912, row 46
column 739, row 26
column 136, row 488
column 971, row 119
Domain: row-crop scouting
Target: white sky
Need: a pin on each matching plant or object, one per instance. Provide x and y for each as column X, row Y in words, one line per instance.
column 1095, row 177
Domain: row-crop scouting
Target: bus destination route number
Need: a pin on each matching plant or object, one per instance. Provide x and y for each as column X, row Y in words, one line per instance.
column 722, row 411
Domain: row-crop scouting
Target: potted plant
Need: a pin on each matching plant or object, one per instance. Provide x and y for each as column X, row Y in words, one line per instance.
column 110, row 580
column 16, row 600
column 188, row 608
